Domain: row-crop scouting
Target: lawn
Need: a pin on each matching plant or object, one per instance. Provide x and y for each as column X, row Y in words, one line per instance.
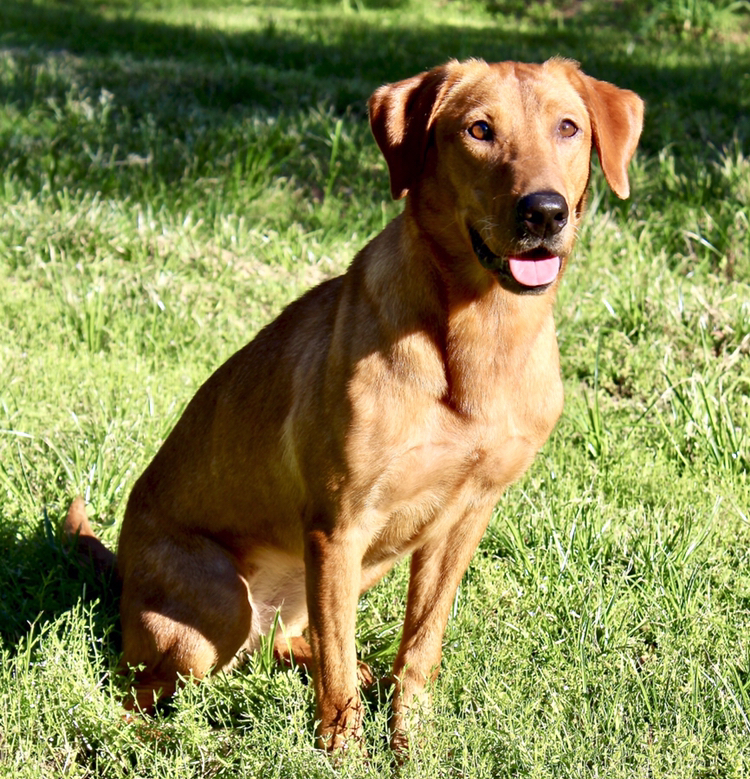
column 172, row 173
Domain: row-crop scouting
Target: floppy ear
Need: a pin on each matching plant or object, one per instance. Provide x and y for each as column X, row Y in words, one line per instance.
column 616, row 121
column 401, row 117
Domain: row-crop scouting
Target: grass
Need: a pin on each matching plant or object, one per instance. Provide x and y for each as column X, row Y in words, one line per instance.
column 172, row 173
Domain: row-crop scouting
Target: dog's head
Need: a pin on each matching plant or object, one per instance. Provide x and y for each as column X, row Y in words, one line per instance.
column 496, row 159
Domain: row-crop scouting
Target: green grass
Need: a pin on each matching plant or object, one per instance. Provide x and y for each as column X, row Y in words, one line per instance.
column 172, row 173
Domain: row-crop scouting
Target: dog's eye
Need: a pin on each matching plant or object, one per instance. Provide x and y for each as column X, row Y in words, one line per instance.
column 567, row 129
column 481, row 131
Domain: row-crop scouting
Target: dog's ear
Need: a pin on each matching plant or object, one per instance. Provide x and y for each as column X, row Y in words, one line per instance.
column 401, row 117
column 616, row 122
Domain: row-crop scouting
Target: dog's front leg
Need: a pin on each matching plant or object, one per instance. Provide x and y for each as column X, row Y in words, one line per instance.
column 333, row 562
column 436, row 571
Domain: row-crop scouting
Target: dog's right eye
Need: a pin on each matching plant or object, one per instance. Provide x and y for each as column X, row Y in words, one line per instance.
column 481, row 131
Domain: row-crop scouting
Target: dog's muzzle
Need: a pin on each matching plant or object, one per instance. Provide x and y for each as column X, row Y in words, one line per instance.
column 529, row 271
column 540, row 218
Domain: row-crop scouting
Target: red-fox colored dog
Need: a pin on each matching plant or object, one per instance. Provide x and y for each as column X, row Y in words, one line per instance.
column 384, row 412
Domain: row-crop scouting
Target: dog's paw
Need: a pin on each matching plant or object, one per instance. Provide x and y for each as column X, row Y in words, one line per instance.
column 407, row 721
column 400, row 746
column 342, row 731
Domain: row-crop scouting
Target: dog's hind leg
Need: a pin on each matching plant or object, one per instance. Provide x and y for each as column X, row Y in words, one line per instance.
column 185, row 611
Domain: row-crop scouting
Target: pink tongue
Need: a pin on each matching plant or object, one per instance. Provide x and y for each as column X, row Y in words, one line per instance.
column 534, row 273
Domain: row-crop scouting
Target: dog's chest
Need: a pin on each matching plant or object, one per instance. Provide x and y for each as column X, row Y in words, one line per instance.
column 446, row 451
column 420, row 465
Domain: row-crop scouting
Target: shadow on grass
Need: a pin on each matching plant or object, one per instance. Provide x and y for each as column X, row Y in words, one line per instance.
column 40, row 580
column 170, row 73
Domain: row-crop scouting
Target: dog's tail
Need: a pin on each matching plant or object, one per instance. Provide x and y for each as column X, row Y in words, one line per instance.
column 80, row 536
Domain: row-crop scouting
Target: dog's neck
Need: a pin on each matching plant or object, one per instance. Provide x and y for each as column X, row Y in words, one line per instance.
column 469, row 296
column 485, row 332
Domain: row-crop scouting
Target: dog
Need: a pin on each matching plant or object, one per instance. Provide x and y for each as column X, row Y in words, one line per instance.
column 384, row 412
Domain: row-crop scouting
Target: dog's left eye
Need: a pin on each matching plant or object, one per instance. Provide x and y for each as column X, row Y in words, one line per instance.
column 567, row 128
column 481, row 131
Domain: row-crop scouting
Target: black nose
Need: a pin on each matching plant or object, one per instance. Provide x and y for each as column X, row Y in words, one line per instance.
column 542, row 214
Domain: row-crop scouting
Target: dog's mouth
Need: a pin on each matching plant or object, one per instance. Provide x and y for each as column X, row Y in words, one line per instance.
column 532, row 270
